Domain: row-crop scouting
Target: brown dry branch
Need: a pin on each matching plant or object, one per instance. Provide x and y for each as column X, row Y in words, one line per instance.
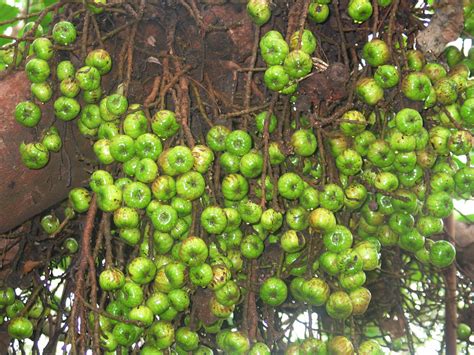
column 85, row 33
column 391, row 23
column 153, row 93
column 249, row 78
column 244, row 111
column 80, row 275
column 343, row 42
column 252, row 313
column 164, row 90
column 183, row 108
column 108, row 315
column 200, row 105
column 375, row 21
column 266, row 138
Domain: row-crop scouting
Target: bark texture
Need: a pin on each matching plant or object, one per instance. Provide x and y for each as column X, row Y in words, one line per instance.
column 445, row 26
column 25, row 193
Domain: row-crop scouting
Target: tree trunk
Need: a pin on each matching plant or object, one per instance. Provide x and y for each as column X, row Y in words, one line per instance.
column 25, row 192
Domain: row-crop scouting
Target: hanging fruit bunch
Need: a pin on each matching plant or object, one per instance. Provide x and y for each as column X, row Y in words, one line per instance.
column 334, row 197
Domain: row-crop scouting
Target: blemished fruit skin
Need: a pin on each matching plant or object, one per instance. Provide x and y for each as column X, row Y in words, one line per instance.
column 308, row 41
column 339, row 305
column 259, row 11
column 297, row 64
column 340, row 345
column 99, row 59
column 369, row 91
column 111, row 279
column 7, row 296
column 34, row 155
column 376, row 52
column 64, row 33
column 317, row 12
column 43, row 48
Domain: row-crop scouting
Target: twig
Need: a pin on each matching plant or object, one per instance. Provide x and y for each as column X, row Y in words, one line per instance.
column 331, row 119
column 169, row 86
column 130, row 48
column 250, row 69
column 194, row 12
column 99, row 238
column 200, row 105
column 154, row 91
column 85, row 32
column 335, row 4
column 266, row 138
column 183, row 105
column 121, row 62
column 244, row 112
column 85, row 253
column 108, row 315
column 248, row 82
column 293, row 18
column 97, row 32
column 375, row 17
column 252, row 314
column 117, row 30
column 93, row 297
column 391, row 23
column 302, row 20
column 59, row 230
column 31, row 301
column 451, row 119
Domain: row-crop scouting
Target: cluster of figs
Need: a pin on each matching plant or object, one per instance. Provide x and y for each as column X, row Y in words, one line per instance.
column 396, row 174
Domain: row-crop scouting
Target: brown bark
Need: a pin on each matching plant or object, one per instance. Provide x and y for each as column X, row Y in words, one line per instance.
column 25, row 193
column 450, row 299
column 446, row 26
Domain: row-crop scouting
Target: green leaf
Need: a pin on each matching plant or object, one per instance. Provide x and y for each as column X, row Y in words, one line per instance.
column 469, row 219
column 7, row 12
column 49, row 2
column 4, row 41
column 46, row 22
